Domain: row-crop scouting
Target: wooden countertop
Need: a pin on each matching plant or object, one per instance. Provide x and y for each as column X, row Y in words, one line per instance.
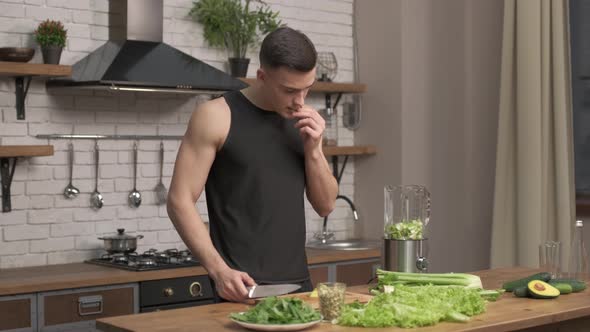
column 76, row 275
column 507, row 314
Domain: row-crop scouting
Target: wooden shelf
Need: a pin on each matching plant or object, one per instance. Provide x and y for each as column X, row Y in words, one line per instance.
column 33, row 69
column 349, row 150
column 327, row 87
column 23, row 72
column 10, row 151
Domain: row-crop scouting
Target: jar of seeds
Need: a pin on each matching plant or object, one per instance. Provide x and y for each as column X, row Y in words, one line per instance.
column 331, row 296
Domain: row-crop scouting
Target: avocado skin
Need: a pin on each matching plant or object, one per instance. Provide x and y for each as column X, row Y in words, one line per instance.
column 549, row 292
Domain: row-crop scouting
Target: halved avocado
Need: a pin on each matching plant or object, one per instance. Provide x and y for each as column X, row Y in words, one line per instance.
column 541, row 290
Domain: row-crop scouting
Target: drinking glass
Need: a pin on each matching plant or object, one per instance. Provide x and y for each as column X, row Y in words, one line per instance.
column 549, row 257
column 331, row 295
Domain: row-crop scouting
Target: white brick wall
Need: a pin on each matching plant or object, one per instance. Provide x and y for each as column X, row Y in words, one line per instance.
column 46, row 228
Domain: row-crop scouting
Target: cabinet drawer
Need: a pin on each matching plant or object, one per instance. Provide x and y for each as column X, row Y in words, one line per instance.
column 86, row 304
column 18, row 312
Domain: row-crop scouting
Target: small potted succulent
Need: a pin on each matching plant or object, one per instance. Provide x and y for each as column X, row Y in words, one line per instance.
column 233, row 25
column 51, row 36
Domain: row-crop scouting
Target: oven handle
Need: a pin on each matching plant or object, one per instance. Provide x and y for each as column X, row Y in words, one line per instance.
column 90, row 302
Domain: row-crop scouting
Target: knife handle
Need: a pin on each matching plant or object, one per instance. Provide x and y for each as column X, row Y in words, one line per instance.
column 251, row 291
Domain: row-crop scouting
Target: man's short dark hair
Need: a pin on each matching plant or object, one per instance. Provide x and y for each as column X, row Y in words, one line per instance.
column 286, row 47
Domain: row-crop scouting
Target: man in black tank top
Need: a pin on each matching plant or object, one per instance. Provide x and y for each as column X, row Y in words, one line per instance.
column 255, row 152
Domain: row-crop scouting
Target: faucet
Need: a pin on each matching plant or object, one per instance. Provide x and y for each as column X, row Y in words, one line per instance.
column 324, row 236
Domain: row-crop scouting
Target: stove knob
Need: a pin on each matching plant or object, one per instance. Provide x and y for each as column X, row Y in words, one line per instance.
column 168, row 292
column 195, row 289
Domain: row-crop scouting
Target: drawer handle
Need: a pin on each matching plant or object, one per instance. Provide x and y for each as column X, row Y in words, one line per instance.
column 196, row 289
column 86, row 302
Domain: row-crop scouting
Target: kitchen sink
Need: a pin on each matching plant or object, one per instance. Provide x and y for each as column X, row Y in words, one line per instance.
column 345, row 245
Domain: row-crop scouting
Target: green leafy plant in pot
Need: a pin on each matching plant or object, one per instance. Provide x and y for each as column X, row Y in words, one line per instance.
column 51, row 36
column 233, row 25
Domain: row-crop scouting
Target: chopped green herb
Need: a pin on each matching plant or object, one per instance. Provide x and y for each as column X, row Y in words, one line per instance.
column 405, row 230
column 274, row 310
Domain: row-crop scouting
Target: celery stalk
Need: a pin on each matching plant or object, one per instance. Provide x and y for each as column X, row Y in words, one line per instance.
column 442, row 279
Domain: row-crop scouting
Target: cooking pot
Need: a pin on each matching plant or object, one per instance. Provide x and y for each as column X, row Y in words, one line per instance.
column 121, row 242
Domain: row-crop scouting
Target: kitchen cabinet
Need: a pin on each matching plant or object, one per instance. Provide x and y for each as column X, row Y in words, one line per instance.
column 355, row 274
column 318, row 274
column 18, row 313
column 66, row 310
column 77, row 309
column 23, row 73
column 352, row 273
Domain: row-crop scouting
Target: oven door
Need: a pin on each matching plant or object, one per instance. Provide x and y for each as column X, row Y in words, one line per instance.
column 175, row 306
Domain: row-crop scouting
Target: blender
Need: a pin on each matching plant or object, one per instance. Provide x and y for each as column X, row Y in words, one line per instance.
column 407, row 213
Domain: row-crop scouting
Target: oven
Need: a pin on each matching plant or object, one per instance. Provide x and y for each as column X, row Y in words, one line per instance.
column 163, row 294
column 175, row 293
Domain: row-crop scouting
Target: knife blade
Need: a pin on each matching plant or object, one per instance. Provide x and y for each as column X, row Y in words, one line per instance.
column 258, row 291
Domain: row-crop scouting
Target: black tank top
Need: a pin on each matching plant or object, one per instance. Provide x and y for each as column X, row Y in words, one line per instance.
column 255, row 195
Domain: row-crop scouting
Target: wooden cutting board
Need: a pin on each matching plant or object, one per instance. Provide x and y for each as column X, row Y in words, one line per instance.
column 349, row 297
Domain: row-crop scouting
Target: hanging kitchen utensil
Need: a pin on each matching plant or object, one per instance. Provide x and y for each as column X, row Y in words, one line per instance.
column 134, row 195
column 71, row 192
column 161, row 192
column 96, row 200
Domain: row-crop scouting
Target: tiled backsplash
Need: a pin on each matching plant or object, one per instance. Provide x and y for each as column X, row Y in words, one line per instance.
column 46, row 228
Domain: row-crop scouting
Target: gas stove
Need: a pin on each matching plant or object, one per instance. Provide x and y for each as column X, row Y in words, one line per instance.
column 147, row 261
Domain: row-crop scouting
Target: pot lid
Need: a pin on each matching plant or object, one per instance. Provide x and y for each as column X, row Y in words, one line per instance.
column 119, row 236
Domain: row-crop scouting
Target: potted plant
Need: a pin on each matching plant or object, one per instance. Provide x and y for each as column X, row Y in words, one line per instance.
column 51, row 36
column 231, row 24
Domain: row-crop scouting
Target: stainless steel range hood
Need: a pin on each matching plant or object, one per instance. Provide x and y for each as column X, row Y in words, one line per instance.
column 135, row 58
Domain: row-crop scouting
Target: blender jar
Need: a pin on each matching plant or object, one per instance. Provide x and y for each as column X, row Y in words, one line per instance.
column 407, row 213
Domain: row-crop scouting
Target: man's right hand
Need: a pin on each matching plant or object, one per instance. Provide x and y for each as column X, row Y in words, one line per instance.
column 231, row 284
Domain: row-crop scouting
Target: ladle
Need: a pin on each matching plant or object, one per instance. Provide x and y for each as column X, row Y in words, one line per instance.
column 160, row 189
column 71, row 191
column 96, row 199
column 134, row 195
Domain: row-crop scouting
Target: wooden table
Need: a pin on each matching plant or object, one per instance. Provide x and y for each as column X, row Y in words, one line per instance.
column 566, row 313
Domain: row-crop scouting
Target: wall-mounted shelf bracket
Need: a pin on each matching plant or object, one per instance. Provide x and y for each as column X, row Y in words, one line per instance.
column 6, row 173
column 329, row 100
column 22, row 87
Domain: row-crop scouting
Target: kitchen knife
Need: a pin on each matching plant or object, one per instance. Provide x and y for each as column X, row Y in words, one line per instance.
column 257, row 291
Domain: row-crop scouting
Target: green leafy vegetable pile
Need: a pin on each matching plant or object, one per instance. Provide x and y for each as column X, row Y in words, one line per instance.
column 274, row 310
column 413, row 306
column 406, row 230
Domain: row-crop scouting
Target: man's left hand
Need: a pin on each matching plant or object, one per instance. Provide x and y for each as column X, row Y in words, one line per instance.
column 311, row 126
